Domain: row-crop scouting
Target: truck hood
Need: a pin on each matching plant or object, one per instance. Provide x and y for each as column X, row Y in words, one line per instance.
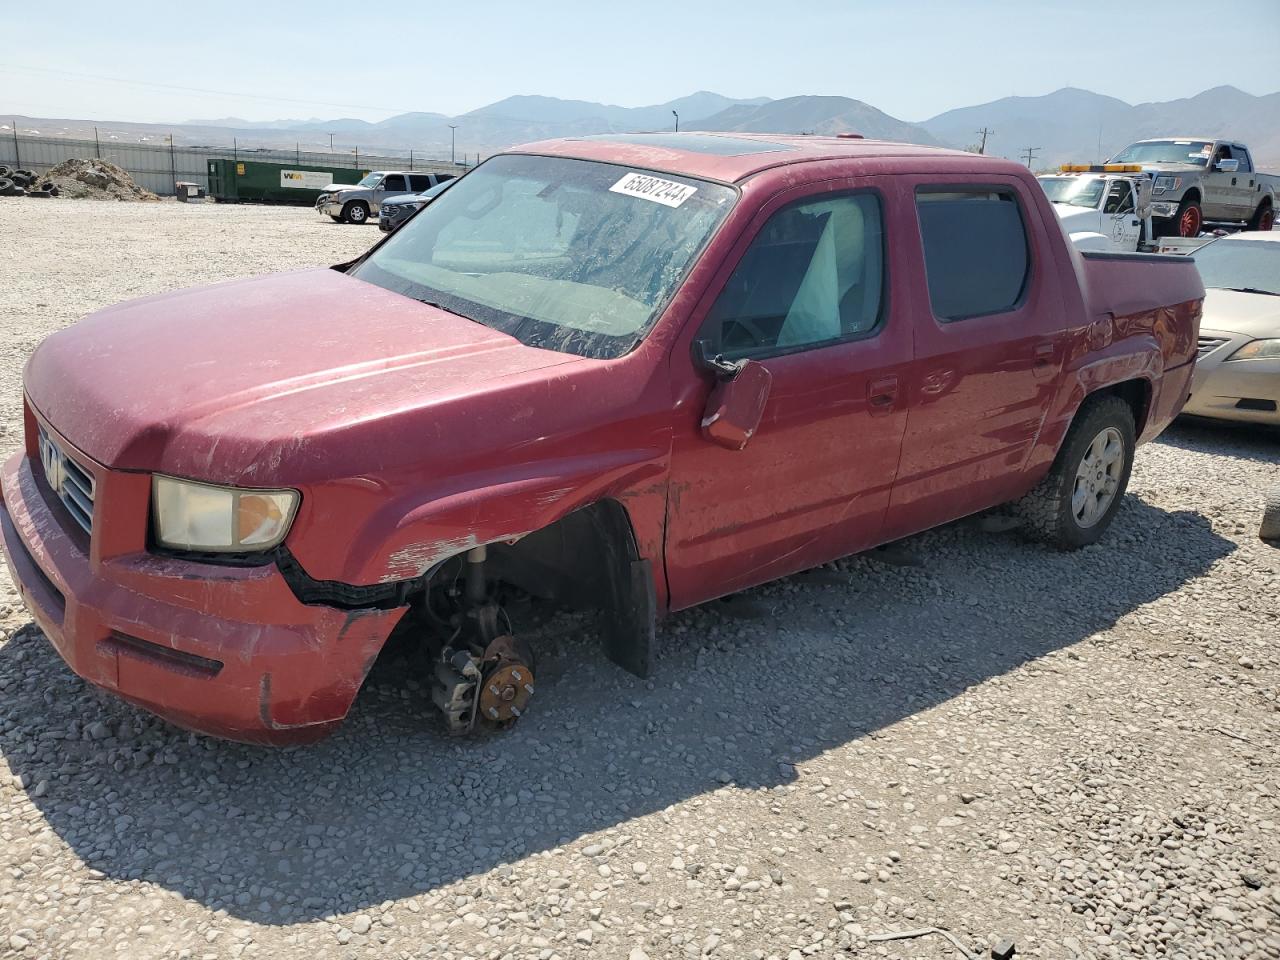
column 1165, row 167
column 1254, row 315
column 212, row 382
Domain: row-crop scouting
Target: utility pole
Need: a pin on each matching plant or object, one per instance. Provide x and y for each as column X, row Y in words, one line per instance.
column 677, row 116
column 453, row 142
column 331, row 143
column 984, row 133
column 17, row 157
column 1030, row 154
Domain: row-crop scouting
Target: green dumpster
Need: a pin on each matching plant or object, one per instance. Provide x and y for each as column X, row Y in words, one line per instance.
column 258, row 182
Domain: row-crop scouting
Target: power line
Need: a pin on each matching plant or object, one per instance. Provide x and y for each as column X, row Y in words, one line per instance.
column 984, row 133
column 1030, row 154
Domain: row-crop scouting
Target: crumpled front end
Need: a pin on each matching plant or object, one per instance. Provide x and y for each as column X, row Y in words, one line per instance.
column 223, row 650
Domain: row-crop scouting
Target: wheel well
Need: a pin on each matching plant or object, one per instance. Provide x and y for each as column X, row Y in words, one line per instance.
column 1192, row 194
column 1137, row 394
column 589, row 560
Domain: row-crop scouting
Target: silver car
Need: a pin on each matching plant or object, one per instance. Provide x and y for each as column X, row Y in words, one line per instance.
column 1238, row 371
column 357, row 202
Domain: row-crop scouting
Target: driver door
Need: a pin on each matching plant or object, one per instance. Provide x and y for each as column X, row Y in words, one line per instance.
column 1120, row 216
column 810, row 298
column 391, row 185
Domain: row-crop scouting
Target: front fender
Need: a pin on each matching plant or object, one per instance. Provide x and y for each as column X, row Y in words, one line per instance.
column 408, row 535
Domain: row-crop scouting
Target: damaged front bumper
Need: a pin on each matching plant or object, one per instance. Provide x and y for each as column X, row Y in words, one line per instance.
column 227, row 651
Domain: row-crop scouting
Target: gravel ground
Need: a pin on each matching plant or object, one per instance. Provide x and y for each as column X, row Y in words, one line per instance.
column 1074, row 753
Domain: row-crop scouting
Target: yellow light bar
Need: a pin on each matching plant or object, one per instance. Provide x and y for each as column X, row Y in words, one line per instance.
column 1101, row 168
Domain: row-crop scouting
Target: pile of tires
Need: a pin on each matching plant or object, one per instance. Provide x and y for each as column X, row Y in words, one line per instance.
column 20, row 183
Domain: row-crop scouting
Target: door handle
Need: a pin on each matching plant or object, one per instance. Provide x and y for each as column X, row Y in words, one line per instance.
column 882, row 395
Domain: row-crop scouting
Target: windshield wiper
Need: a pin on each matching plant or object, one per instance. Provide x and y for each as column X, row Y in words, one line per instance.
column 441, row 306
column 1269, row 293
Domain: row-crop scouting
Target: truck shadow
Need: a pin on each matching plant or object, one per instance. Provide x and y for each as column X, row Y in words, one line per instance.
column 390, row 808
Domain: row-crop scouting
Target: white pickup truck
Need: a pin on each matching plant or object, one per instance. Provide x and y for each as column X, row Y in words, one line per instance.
column 1198, row 179
column 1103, row 207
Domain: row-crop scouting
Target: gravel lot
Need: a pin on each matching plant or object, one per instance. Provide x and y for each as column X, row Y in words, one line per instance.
column 1074, row 753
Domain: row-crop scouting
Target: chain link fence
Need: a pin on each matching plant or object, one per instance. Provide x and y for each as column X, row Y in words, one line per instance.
column 157, row 166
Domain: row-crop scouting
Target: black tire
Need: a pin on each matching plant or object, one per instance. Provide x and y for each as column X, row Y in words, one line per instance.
column 53, row 190
column 39, row 193
column 6, row 186
column 1269, row 529
column 4, row 170
column 25, row 173
column 1263, row 218
column 355, row 211
column 20, row 178
column 1049, row 512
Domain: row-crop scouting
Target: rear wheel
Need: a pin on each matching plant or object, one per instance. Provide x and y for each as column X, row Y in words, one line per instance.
column 355, row 211
column 1189, row 219
column 1270, row 529
column 1264, row 218
column 1073, row 505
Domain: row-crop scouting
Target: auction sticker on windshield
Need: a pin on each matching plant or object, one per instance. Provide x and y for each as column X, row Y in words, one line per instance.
column 666, row 192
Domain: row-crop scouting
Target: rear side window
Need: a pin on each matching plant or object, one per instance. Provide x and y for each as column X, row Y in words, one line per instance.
column 419, row 182
column 975, row 251
column 813, row 275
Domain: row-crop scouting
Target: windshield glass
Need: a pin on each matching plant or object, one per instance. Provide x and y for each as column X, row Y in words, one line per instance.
column 1240, row 265
column 369, row 180
column 569, row 255
column 1077, row 191
column 1166, row 151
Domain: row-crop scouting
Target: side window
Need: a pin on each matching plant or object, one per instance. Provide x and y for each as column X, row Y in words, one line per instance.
column 1119, row 198
column 394, row 181
column 442, row 177
column 1246, row 163
column 975, row 250
column 814, row 274
column 419, row 182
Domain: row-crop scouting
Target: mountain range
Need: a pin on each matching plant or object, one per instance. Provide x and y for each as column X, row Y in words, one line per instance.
column 1067, row 125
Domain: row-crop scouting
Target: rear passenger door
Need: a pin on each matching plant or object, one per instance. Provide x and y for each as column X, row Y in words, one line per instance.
column 811, row 293
column 989, row 343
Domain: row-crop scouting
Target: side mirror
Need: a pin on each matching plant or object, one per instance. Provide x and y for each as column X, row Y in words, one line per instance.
column 736, row 404
column 1228, row 166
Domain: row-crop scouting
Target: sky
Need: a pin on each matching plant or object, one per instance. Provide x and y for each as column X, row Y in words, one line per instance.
column 154, row 62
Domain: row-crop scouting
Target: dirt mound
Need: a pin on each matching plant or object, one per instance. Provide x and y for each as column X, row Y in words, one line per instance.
column 95, row 180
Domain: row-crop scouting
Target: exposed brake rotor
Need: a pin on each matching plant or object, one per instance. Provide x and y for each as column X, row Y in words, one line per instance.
column 506, row 685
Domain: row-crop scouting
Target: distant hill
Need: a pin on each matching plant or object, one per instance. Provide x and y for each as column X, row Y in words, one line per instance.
column 1068, row 124
column 1077, row 125
column 821, row 115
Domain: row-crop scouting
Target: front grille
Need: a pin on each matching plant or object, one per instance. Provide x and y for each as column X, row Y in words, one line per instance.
column 1207, row 345
column 71, row 482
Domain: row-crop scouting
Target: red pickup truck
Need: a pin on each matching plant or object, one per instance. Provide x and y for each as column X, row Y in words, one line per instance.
column 628, row 372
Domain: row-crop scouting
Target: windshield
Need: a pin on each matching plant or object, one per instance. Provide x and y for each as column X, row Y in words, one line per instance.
column 370, row 179
column 570, row 255
column 1231, row 264
column 1077, row 191
column 1166, row 151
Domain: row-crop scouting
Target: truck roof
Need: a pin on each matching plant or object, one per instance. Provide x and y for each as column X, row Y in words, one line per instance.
column 728, row 157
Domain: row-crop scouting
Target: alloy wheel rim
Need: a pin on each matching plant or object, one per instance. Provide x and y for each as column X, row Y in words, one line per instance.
column 1098, row 478
column 1189, row 225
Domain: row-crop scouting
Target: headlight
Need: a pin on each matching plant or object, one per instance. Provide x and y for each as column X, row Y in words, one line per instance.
column 1167, row 183
column 199, row 516
column 1258, row 350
